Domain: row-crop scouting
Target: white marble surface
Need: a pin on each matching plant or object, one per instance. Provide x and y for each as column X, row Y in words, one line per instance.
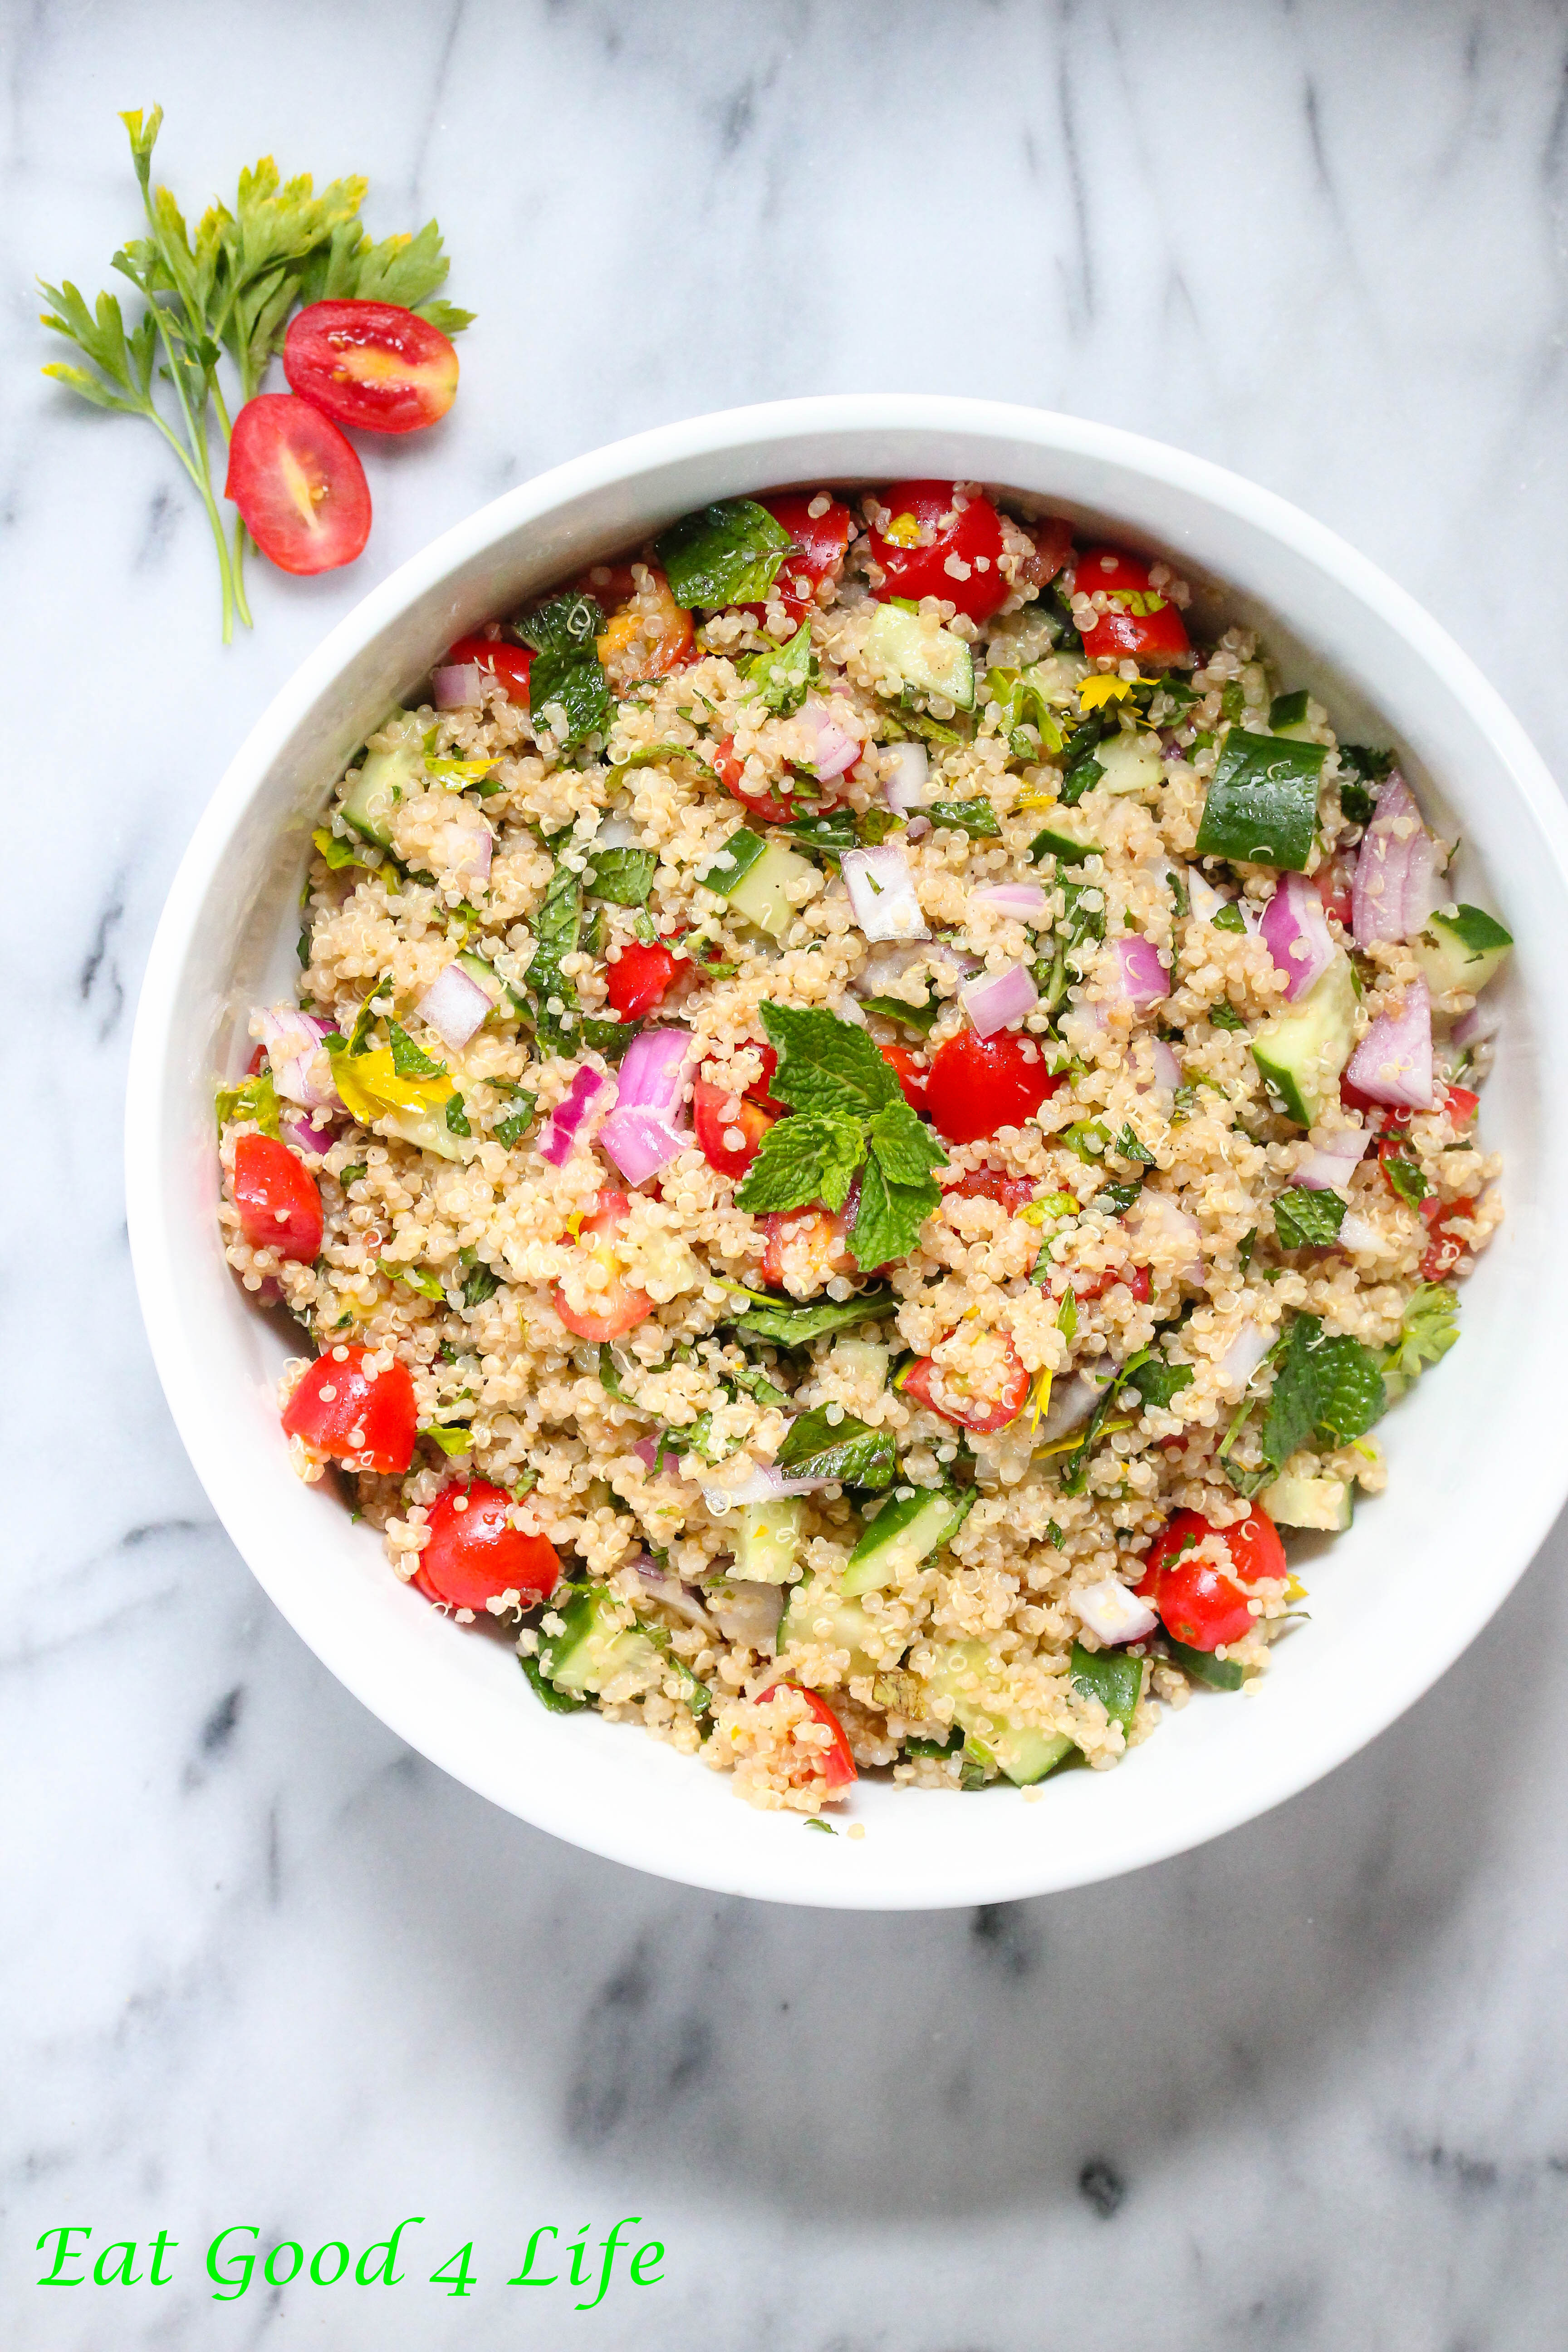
column 257, row 1963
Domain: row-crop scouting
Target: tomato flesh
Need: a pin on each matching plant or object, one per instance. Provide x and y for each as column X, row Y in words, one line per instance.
column 926, row 533
column 604, row 1313
column 1014, row 1192
column 638, row 979
column 761, row 1088
column 1461, row 1106
column 966, row 1402
column 821, row 542
column 751, row 1121
column 1198, row 1603
column 1053, row 545
column 1334, row 884
column 474, row 1554
column 648, row 636
column 811, row 1242
column 911, row 1071
column 299, row 485
column 509, row 665
column 837, row 1762
column 278, row 1204
column 1139, row 624
column 979, row 1085
column 1445, row 1248
column 774, row 808
column 363, row 1418
column 373, row 365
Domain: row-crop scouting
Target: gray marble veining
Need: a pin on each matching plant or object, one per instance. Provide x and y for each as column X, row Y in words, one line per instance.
column 260, row 1965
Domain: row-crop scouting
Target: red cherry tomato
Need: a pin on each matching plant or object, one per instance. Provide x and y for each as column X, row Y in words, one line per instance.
column 280, row 1206
column 1333, row 882
column 911, row 1071
column 759, row 1090
column 1197, row 1603
column 977, row 1085
column 980, row 1403
column 1461, row 1105
column 648, row 636
column 1053, row 545
column 1015, row 1192
column 638, row 979
column 604, row 1313
column 475, row 1554
column 926, row 534
column 812, row 1242
column 837, row 1762
column 297, row 483
column 751, row 1121
column 509, row 663
column 1136, row 1278
column 371, row 364
column 771, row 808
column 365, row 1418
column 1139, row 625
column 818, row 554
column 1445, row 1248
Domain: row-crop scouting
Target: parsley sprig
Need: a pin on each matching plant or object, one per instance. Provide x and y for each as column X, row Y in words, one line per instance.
column 850, row 1118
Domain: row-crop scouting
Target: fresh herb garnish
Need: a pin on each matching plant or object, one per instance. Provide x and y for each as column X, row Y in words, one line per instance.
column 1428, row 1328
column 789, row 1326
column 512, row 1129
column 976, row 818
column 1262, row 802
column 1158, row 1382
column 1081, row 769
column 480, row 1282
column 847, row 1450
column 1402, row 1170
column 409, row 1060
column 914, row 1016
column 727, row 553
column 1327, row 1390
column 457, row 1117
column 567, row 671
column 1224, row 1015
column 1304, row 1219
column 782, row 676
column 1127, row 1147
column 624, row 877
column 254, row 1097
column 452, row 1437
column 1229, row 918
column 1361, row 768
column 415, row 1278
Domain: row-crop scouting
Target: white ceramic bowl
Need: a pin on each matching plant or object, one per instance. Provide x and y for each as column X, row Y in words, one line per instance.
column 1477, row 1466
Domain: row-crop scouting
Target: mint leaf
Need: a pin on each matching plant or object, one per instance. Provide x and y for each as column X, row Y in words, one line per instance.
column 1157, row 1382
column 480, row 1282
column 1110, row 1676
column 567, row 669
column 254, row 1098
column 1224, row 1015
column 812, row 1157
column 1308, row 1220
column 1292, row 1413
column 847, row 1450
column 977, row 818
column 1330, row 1387
column 826, row 1064
column 888, row 1218
column 512, row 1129
column 1404, row 1172
column 407, row 1059
column 624, row 877
column 1351, row 1394
column 789, row 1326
column 907, row 1150
column 457, row 1117
column 1127, row 1147
column 726, row 553
column 1361, row 768
column 914, row 1016
column 830, row 835
column 782, row 676
column 1229, row 918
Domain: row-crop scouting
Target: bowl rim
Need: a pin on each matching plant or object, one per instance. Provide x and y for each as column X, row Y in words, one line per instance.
column 246, row 778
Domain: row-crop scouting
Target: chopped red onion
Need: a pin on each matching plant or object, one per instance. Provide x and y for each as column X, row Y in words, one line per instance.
column 1167, row 1071
column 763, row 1484
column 1025, row 900
column 651, row 1071
column 1073, row 1401
column 1393, row 1064
column 1295, row 931
column 640, row 1144
column 1112, row 1612
column 300, row 1070
column 1144, row 981
column 882, row 892
column 905, row 788
column 917, row 828
column 1245, row 1353
column 1483, row 1020
column 460, row 687
column 304, row 1132
column 454, row 1006
column 1334, row 1163
column 1395, row 887
column 473, row 865
column 669, row 1592
column 1204, row 900
column 999, row 999
column 586, row 1090
column 836, row 749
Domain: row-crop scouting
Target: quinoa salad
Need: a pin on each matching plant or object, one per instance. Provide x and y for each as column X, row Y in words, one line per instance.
column 874, row 1117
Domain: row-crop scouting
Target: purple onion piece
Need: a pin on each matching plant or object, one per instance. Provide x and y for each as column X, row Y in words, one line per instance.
column 640, row 1143
column 1295, row 931
column 300, row 1069
column 1393, row 1064
column 456, row 1006
column 1144, row 981
column 460, row 686
column 1393, row 890
column 568, row 1116
column 999, row 999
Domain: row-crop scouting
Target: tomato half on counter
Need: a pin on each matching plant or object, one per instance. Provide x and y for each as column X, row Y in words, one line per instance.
column 373, row 365
column 299, row 485
column 346, row 1409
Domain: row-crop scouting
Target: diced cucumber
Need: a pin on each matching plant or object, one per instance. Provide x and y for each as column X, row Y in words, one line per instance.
column 1296, row 1502
column 1067, row 848
column 931, row 660
column 902, row 1534
column 737, row 857
column 1301, row 1052
column 1203, row 1666
column 1129, row 764
column 1110, row 1676
column 767, row 1541
column 819, row 1614
column 593, row 1649
column 1288, row 717
column 1023, row 1754
column 1463, row 950
column 760, row 894
column 386, row 778
column 862, row 1359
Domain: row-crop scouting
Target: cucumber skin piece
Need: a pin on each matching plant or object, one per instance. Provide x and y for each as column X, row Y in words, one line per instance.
column 895, row 641
column 1202, row 1666
column 807, row 1608
column 1322, row 1503
column 590, row 1651
column 759, row 894
column 1295, row 1049
column 383, row 780
column 1449, row 961
column 1110, row 1676
column 1261, row 807
column 902, row 1534
column 1022, row 1754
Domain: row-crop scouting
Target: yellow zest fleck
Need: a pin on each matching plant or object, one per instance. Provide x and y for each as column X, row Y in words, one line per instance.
column 903, row 531
column 574, row 1223
column 1036, row 800
column 1097, row 691
column 1368, row 1452
column 1039, row 1398
column 1049, row 1208
column 1066, row 1444
column 1295, row 1590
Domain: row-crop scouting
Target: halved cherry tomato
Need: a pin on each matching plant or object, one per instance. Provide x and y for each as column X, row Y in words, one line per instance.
column 603, row 1313
column 280, row 1206
column 1352, row 1099
column 837, row 1762
column 982, row 1401
column 1445, row 1248
column 475, row 1554
column 609, row 584
column 773, row 808
column 751, row 1121
column 977, row 1085
column 1139, row 623
column 297, row 483
column 813, row 1241
column 926, row 534
column 1333, row 882
column 638, row 979
column 1197, row 1603
column 1461, row 1105
column 761, row 1088
column 365, row 1418
column 1053, row 545
column 818, row 554
column 1136, row 1278
column 648, row 637
column 911, row 1071
column 507, row 663
column 1015, row 1192
column 371, row 364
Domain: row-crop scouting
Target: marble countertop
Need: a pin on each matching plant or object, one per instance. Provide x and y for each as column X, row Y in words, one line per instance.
column 260, row 1965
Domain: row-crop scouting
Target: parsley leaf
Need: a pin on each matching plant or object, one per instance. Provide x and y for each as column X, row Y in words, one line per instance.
column 1229, row 918
column 847, row 1450
column 409, row 1060
column 726, row 553
column 1428, row 1328
column 976, row 818
column 624, row 877
column 782, row 676
column 1304, row 1219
